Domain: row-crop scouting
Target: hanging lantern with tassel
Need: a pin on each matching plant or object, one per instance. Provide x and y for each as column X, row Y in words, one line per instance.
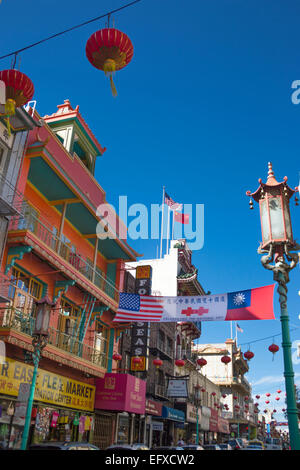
column 19, row 90
column 109, row 50
column 273, row 349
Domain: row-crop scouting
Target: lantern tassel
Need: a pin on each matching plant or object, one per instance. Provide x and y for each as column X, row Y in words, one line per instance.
column 113, row 87
column 10, row 110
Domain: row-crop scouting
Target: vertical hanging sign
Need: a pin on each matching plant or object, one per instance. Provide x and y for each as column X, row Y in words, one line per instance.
column 140, row 333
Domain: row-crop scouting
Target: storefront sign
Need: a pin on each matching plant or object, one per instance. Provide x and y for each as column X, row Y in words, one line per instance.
column 205, row 418
column 223, row 425
column 157, row 426
column 177, row 388
column 213, row 421
column 173, row 414
column 121, row 392
column 153, row 408
column 191, row 413
column 50, row 388
column 140, row 332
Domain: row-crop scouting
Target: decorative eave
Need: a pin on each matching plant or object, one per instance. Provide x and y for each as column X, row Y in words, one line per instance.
column 190, row 329
column 65, row 111
column 271, row 184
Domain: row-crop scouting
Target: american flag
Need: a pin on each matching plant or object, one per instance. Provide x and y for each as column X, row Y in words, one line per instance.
column 172, row 204
column 239, row 328
column 134, row 307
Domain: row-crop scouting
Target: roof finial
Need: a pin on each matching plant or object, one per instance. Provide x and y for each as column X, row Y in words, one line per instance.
column 270, row 172
column 271, row 178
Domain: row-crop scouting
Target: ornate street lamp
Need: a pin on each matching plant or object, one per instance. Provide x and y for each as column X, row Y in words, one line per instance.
column 39, row 341
column 278, row 247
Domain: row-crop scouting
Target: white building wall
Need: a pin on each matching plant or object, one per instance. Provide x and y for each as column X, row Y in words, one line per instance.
column 164, row 272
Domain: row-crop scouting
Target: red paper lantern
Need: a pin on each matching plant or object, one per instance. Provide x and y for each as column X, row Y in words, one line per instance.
column 109, row 50
column 235, row 398
column 19, row 90
column 224, row 395
column 201, row 362
column 248, row 355
column 273, row 349
column 279, row 391
column 157, row 362
column 226, row 359
column 137, row 360
column 257, row 396
column 213, row 394
column 203, row 390
column 246, row 398
column 277, row 398
column 117, row 357
column 268, row 394
column 265, row 411
column 283, row 409
column 274, row 411
column 179, row 362
column 267, row 401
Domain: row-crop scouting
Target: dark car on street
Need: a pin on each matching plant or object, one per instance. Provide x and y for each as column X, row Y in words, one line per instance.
column 53, row 445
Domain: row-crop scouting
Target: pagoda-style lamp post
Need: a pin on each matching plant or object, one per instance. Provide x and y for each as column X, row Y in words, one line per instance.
column 278, row 247
column 39, row 341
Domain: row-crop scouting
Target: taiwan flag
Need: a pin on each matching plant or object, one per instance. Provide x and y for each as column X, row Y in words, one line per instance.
column 251, row 304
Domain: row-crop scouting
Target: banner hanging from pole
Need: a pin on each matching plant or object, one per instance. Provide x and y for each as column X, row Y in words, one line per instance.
column 251, row 304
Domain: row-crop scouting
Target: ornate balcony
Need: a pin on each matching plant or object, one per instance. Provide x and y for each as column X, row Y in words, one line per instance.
column 31, row 231
column 19, row 325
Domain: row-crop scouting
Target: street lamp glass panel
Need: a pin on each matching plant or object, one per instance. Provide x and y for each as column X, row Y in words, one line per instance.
column 287, row 219
column 264, row 221
column 276, row 218
column 42, row 319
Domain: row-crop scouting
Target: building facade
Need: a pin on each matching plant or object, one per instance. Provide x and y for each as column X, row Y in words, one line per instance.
column 236, row 400
column 57, row 246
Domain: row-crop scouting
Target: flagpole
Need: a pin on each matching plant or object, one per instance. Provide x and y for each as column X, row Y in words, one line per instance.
column 168, row 231
column 173, row 226
column 162, row 222
column 236, row 334
column 231, row 329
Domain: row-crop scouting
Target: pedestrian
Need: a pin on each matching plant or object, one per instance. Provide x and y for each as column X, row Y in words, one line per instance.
column 180, row 442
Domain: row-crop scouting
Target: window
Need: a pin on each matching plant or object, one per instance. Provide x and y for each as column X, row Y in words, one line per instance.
column 25, row 291
column 101, row 344
column 2, row 157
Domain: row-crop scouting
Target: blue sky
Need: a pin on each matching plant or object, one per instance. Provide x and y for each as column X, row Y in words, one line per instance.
column 202, row 108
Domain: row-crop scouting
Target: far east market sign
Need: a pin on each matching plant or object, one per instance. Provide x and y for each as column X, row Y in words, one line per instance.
column 50, row 388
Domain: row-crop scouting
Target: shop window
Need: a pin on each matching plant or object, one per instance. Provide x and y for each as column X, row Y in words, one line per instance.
column 61, row 425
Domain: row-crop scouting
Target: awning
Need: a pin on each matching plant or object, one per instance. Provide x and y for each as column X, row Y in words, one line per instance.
column 173, row 414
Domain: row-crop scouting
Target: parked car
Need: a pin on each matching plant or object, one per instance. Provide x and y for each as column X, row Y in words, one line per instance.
column 253, row 447
column 237, row 444
column 137, row 446
column 168, row 448
column 212, row 447
column 256, row 442
column 55, row 445
column 226, row 446
column 191, row 447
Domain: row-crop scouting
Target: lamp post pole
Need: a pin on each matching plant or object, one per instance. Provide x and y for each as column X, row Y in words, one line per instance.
column 39, row 341
column 278, row 249
column 38, row 346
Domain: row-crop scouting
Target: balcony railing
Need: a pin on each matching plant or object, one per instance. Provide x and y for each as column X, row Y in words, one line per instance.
column 157, row 390
column 45, row 234
column 16, row 319
column 162, row 347
column 11, row 200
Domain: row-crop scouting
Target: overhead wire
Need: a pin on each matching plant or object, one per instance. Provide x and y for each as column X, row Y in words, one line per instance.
column 109, row 13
